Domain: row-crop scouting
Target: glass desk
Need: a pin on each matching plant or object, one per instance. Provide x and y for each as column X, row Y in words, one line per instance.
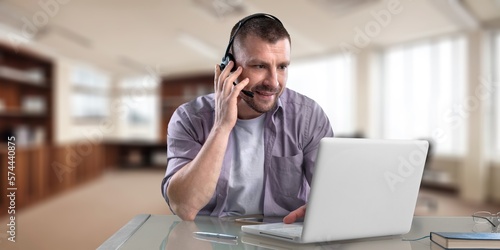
column 170, row 232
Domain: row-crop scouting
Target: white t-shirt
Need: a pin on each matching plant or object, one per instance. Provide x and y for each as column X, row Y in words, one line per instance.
column 246, row 177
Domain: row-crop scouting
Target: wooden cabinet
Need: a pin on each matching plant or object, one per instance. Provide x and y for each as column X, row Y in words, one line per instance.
column 135, row 154
column 178, row 90
column 42, row 171
column 74, row 164
column 30, row 171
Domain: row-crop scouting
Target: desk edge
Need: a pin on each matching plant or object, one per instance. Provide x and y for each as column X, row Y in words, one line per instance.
column 124, row 233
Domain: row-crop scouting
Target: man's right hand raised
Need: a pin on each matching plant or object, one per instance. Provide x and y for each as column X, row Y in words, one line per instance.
column 227, row 96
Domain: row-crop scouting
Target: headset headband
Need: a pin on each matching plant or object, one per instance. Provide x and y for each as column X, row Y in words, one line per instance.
column 229, row 57
column 241, row 23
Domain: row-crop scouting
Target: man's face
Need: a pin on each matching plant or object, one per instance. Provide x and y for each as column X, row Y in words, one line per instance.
column 266, row 66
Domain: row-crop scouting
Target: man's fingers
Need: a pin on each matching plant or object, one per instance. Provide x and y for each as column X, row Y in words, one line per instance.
column 224, row 75
column 294, row 215
column 238, row 87
column 216, row 77
column 228, row 82
column 290, row 218
column 221, row 75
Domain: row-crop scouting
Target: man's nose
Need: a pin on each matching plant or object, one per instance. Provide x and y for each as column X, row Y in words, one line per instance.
column 272, row 78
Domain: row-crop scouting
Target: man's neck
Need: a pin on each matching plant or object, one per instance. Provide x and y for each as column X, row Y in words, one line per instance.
column 245, row 112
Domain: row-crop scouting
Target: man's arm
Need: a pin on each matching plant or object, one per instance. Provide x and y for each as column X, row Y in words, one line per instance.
column 192, row 187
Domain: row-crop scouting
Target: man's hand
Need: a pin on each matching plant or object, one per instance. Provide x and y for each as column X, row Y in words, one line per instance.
column 295, row 214
column 226, row 95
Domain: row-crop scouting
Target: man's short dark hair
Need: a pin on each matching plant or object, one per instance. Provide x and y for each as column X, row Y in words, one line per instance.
column 266, row 28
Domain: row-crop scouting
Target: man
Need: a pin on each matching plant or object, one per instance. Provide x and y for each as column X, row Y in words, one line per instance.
column 232, row 154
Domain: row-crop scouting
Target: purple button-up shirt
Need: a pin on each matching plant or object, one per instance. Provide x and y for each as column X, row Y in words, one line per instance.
column 291, row 138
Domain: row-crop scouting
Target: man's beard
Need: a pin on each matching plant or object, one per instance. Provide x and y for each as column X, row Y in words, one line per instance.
column 259, row 108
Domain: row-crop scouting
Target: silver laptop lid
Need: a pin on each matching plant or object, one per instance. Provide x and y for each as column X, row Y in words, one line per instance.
column 363, row 188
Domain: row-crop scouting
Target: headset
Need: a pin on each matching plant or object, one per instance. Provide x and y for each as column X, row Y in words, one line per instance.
column 229, row 57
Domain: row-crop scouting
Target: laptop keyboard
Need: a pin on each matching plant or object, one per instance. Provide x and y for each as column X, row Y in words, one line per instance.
column 295, row 231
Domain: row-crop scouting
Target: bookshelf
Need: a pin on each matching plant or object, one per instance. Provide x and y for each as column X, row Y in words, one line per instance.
column 26, row 106
column 25, row 97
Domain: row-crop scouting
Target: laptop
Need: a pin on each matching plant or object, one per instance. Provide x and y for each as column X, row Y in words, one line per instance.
column 361, row 188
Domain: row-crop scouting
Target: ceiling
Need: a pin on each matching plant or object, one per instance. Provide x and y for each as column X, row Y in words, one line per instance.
column 129, row 37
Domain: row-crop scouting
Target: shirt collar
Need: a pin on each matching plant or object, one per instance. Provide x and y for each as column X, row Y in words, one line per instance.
column 279, row 105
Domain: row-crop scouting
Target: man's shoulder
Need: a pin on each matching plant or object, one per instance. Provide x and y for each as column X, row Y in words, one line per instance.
column 200, row 105
column 292, row 97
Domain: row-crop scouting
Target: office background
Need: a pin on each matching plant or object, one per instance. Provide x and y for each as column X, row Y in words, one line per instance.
column 87, row 89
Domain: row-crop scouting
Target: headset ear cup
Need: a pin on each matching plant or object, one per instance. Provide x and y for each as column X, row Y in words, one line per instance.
column 223, row 64
column 225, row 61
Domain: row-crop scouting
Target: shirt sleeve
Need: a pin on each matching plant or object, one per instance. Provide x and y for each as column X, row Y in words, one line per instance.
column 182, row 145
column 319, row 127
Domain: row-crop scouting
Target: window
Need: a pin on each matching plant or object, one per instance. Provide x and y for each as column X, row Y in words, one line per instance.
column 329, row 82
column 90, row 94
column 139, row 99
column 495, row 96
column 422, row 91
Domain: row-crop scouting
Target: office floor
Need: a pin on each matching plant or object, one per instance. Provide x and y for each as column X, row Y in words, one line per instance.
column 85, row 217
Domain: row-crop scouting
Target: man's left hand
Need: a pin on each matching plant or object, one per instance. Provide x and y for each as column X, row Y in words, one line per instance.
column 295, row 214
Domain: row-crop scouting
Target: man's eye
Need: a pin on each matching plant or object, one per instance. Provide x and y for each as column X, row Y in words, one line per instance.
column 259, row 66
column 283, row 67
